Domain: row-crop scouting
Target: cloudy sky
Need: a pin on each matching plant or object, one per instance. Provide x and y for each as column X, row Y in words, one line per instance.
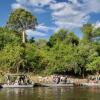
column 55, row 14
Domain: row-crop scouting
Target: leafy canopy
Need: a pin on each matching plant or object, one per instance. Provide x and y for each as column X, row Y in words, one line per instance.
column 21, row 20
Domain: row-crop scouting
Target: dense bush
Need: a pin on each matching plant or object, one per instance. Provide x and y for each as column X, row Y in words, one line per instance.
column 64, row 52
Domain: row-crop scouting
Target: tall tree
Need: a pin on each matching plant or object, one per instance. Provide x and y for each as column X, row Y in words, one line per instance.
column 58, row 37
column 87, row 30
column 21, row 20
column 84, row 54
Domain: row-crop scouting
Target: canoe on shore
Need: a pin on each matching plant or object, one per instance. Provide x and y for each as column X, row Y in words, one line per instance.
column 91, row 84
column 17, row 86
column 58, row 85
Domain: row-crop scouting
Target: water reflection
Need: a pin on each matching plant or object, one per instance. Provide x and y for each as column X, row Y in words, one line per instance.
column 47, row 93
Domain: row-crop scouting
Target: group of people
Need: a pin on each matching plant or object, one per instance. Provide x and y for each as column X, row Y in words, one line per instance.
column 19, row 80
column 60, row 79
column 93, row 79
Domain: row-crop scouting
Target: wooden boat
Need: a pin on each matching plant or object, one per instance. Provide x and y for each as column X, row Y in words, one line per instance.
column 58, row 85
column 17, row 86
column 91, row 84
column 17, row 81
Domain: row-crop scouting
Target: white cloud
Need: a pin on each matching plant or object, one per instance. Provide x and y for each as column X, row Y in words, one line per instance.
column 33, row 5
column 43, row 28
column 41, row 31
column 97, row 24
column 93, row 5
column 73, row 13
column 21, row 1
column 35, row 33
column 57, row 6
column 16, row 6
column 69, row 17
column 39, row 3
column 39, row 10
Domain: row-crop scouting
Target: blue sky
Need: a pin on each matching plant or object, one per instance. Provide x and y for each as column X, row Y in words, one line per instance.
column 55, row 14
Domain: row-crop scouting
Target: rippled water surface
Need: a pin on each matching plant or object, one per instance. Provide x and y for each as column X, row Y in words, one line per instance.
column 47, row 93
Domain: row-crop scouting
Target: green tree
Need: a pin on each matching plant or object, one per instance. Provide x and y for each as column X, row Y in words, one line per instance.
column 71, row 38
column 94, row 65
column 58, row 37
column 11, row 58
column 8, row 37
column 96, row 34
column 60, row 58
column 41, row 58
column 64, row 36
column 87, row 30
column 84, row 53
column 41, row 43
column 31, row 40
column 29, row 57
column 21, row 20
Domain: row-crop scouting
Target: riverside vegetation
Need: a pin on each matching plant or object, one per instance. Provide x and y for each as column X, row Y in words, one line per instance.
column 63, row 53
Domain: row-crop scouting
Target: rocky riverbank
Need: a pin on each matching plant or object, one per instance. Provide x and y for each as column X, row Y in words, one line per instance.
column 50, row 79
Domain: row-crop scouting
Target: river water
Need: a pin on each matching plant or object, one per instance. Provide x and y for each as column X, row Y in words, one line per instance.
column 47, row 93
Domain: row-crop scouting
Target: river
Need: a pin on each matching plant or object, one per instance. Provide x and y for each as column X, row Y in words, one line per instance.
column 47, row 93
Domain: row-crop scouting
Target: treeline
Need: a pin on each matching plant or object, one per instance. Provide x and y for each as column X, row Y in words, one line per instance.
column 63, row 53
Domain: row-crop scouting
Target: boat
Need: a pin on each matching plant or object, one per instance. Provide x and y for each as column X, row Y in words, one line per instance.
column 91, row 84
column 17, row 81
column 17, row 86
column 93, row 81
column 58, row 85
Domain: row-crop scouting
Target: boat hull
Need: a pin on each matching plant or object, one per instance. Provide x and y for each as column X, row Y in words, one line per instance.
column 17, row 86
column 58, row 85
column 91, row 84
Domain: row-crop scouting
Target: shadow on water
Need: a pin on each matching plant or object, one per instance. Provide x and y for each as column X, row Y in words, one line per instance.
column 47, row 93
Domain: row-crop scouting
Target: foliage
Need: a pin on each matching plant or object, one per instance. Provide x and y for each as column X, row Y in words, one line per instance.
column 21, row 20
column 60, row 58
column 94, row 65
column 10, row 57
column 83, row 55
column 63, row 53
column 63, row 36
column 71, row 38
column 87, row 30
column 96, row 34
column 8, row 37
column 58, row 37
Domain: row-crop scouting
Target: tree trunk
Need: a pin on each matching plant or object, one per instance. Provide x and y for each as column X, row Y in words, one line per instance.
column 97, row 74
column 23, row 37
column 83, row 73
column 17, row 69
